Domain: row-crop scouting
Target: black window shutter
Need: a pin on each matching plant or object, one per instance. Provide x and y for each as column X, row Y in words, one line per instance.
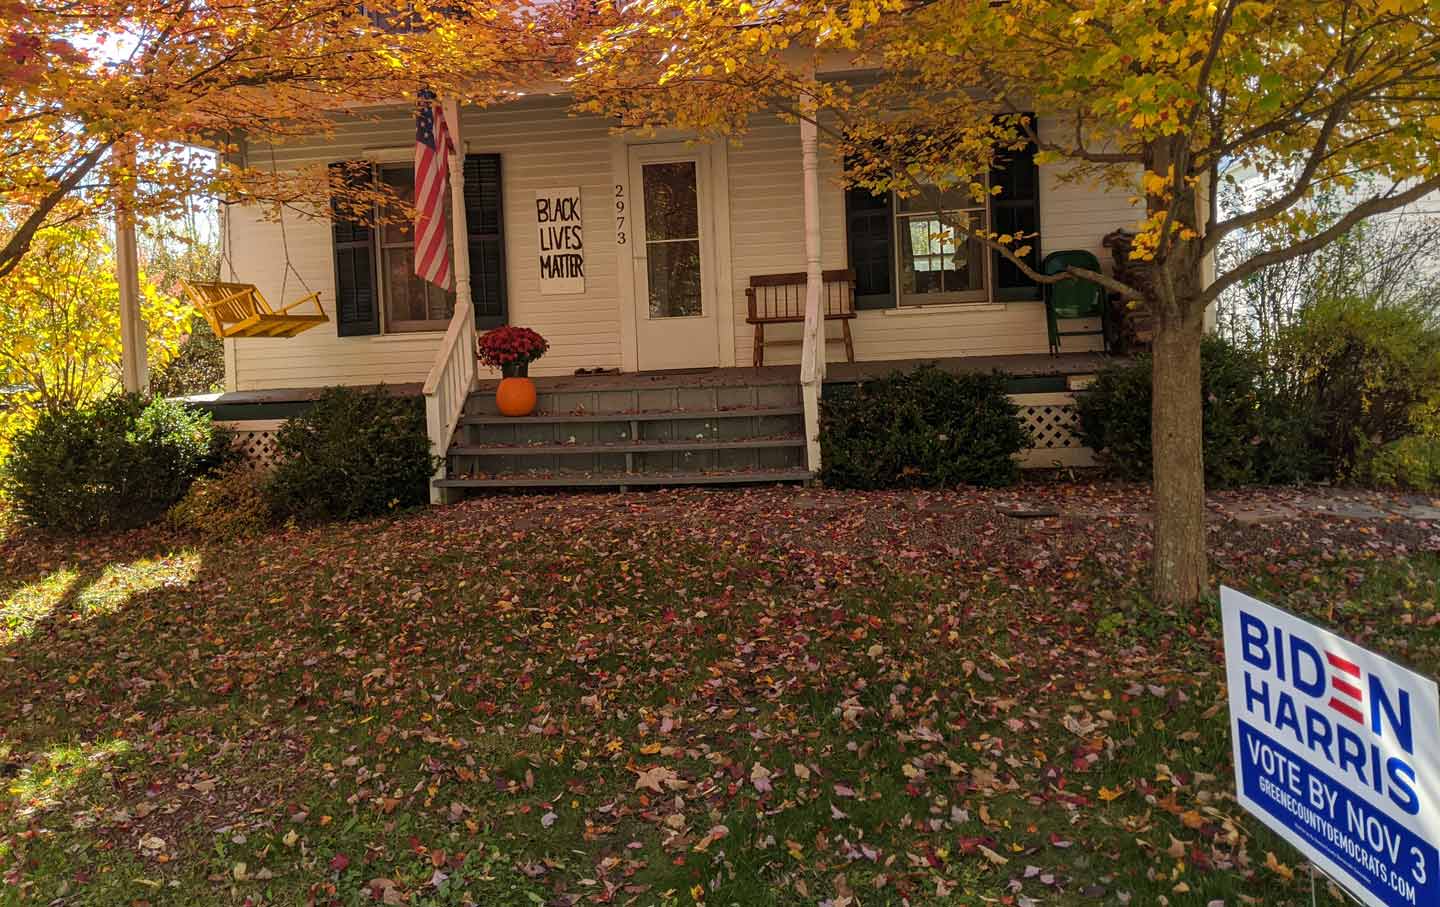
column 484, row 216
column 869, row 236
column 357, row 310
column 1017, row 210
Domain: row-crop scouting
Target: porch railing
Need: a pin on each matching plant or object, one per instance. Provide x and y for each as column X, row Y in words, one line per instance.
column 448, row 386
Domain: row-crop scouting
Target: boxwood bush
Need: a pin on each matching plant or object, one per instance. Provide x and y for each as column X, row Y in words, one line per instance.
column 228, row 505
column 116, row 464
column 1252, row 433
column 356, row 452
column 921, row 429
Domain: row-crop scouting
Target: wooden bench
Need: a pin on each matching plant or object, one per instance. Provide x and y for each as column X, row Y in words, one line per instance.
column 780, row 299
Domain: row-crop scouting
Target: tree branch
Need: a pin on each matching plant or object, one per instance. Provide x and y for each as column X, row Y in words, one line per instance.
column 1377, row 205
column 19, row 242
column 1180, row 163
column 1219, row 231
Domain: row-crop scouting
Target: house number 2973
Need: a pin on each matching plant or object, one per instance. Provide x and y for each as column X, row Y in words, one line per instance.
column 620, row 215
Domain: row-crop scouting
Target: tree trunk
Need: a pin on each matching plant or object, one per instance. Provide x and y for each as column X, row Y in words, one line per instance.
column 1176, row 439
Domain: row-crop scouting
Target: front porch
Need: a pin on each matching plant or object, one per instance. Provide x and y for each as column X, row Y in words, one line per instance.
column 710, row 426
column 1035, row 369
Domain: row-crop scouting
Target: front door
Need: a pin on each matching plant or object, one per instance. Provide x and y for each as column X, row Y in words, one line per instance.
column 676, row 323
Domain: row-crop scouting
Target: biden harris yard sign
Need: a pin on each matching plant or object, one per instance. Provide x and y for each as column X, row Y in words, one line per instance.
column 1337, row 750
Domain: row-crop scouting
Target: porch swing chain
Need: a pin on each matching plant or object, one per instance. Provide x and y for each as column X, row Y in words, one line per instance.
column 284, row 239
column 229, row 243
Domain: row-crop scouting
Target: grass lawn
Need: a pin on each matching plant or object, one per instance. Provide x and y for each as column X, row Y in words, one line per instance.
column 768, row 697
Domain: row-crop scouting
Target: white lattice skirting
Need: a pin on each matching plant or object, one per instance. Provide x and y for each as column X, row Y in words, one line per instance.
column 1054, row 423
column 1052, row 419
column 255, row 439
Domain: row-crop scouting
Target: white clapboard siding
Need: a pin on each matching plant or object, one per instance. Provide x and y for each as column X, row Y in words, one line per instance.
column 766, row 197
column 543, row 147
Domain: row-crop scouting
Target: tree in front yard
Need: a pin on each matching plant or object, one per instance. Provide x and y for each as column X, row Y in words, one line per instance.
column 1148, row 98
column 60, row 326
column 81, row 81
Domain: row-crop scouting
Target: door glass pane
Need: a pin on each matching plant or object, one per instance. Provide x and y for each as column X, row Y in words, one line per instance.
column 674, row 278
column 672, row 210
column 672, row 239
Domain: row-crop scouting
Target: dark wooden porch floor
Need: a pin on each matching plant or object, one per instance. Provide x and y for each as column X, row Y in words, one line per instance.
column 1039, row 365
column 281, row 403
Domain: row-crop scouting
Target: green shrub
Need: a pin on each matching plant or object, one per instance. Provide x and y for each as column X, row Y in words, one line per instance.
column 119, row 463
column 1369, row 372
column 354, row 453
column 227, row 505
column 922, row 429
column 198, row 367
column 1412, row 462
column 1252, row 433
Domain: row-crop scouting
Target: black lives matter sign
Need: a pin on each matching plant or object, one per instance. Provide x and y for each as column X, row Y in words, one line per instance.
column 562, row 241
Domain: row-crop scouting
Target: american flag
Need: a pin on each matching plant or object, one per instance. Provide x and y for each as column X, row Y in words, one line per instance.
column 432, row 146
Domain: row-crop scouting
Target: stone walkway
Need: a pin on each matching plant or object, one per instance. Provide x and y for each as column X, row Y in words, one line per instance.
column 1271, row 505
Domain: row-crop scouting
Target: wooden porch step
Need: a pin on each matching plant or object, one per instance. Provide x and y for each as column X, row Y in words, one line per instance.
column 649, row 416
column 501, row 450
column 617, row 479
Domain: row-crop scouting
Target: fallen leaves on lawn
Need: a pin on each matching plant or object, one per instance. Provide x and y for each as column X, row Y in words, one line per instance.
column 827, row 694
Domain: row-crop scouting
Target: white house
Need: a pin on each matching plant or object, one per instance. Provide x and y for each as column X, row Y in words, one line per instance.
column 648, row 281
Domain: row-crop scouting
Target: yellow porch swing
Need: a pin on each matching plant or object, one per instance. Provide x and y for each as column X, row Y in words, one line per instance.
column 236, row 309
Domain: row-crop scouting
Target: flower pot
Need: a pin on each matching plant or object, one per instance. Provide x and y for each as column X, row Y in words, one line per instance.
column 515, row 370
column 515, row 396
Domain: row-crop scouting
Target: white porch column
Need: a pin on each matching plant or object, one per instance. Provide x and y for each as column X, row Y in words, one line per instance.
column 812, row 354
column 452, row 375
column 459, row 226
column 134, row 373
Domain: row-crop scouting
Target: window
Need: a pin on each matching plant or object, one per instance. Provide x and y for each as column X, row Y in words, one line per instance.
column 409, row 303
column 375, row 278
column 936, row 263
column 905, row 253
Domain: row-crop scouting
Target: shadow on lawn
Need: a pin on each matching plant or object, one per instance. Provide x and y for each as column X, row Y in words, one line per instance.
column 67, row 610
column 152, row 632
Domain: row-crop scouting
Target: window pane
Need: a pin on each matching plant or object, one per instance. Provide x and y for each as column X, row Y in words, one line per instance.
column 672, row 209
column 931, row 263
column 407, row 297
column 674, row 278
column 401, row 301
column 931, row 200
column 402, row 180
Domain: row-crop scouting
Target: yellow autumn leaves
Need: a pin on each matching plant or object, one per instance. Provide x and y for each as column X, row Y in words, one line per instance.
column 60, row 325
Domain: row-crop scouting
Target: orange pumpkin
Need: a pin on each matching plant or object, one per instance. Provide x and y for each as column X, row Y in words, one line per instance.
column 515, row 396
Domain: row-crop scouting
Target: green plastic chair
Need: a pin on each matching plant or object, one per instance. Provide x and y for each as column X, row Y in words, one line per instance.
column 1074, row 297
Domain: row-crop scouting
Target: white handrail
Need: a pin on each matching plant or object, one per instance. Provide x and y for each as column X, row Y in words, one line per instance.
column 448, row 386
column 452, row 377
